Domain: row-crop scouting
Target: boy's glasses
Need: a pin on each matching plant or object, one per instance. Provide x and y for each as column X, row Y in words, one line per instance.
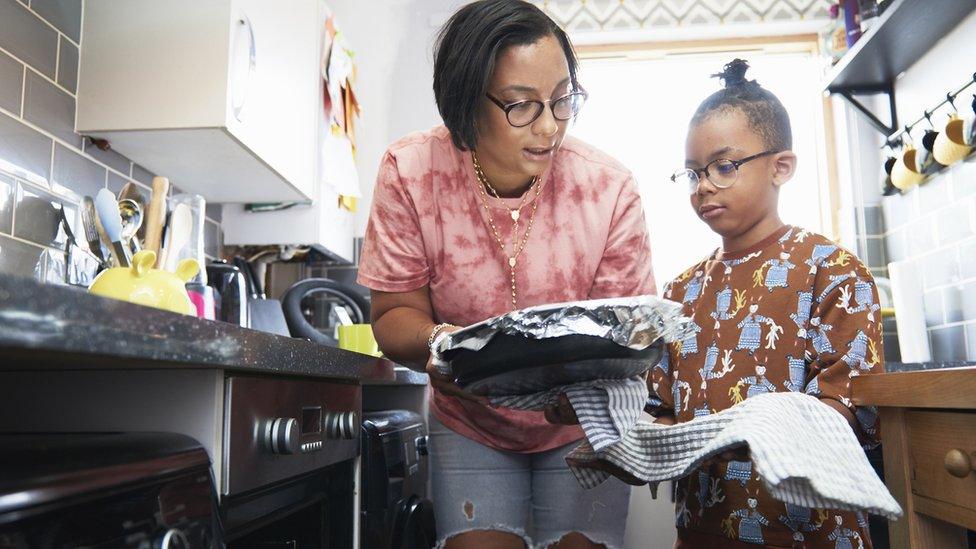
column 523, row 113
column 721, row 172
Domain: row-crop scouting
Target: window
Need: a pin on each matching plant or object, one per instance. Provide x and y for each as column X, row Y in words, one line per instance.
column 638, row 112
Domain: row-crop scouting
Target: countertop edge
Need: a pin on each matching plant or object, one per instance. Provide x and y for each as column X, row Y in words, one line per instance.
column 937, row 388
column 58, row 327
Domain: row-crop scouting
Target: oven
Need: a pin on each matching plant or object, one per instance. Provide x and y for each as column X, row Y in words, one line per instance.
column 106, row 490
column 284, row 451
column 290, row 456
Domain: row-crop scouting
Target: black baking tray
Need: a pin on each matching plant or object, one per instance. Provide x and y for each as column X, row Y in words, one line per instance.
column 516, row 365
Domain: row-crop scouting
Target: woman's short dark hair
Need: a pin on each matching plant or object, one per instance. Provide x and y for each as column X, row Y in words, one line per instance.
column 766, row 114
column 465, row 53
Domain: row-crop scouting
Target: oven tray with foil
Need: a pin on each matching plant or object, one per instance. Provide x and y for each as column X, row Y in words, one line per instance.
column 516, row 365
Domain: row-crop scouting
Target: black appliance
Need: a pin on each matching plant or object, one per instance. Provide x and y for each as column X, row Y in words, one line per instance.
column 310, row 308
column 230, row 283
column 263, row 314
column 106, row 490
column 395, row 510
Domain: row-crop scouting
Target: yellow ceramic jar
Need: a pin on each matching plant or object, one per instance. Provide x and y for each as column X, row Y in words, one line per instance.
column 144, row 285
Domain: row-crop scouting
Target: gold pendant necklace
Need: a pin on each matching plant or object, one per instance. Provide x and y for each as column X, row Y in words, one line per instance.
column 515, row 214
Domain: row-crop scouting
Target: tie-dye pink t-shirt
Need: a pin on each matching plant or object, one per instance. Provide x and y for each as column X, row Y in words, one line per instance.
column 428, row 227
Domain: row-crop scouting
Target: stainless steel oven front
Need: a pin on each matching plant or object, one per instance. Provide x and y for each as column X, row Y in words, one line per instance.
column 276, row 429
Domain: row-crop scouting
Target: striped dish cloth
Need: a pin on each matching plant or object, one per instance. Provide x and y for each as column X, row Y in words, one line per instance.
column 804, row 451
column 607, row 408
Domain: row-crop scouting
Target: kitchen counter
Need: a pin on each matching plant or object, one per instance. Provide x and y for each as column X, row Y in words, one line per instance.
column 47, row 326
column 928, row 429
column 895, row 367
column 403, row 377
column 926, row 388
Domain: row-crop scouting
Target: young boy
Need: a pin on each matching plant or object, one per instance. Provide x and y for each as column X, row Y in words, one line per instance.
column 776, row 308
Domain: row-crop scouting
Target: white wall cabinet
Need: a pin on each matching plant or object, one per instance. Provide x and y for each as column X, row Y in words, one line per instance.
column 221, row 96
column 322, row 224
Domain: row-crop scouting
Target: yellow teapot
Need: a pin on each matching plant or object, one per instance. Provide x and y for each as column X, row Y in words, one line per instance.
column 144, row 285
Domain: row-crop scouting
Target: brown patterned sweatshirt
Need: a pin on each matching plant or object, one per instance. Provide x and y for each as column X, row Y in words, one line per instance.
column 796, row 312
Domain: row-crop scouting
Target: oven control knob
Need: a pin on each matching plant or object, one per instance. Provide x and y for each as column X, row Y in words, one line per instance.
column 342, row 425
column 282, row 435
column 173, row 539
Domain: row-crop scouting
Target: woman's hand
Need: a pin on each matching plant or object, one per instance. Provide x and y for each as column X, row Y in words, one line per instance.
column 445, row 383
column 562, row 412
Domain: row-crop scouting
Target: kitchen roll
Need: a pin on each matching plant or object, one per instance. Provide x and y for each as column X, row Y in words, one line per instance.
column 906, row 290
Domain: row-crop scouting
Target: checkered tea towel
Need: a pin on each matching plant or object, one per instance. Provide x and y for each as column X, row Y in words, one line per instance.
column 805, row 452
column 607, row 408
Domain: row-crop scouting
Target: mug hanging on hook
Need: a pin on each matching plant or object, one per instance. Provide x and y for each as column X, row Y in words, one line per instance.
column 925, row 161
column 973, row 105
column 970, row 125
column 905, row 174
column 888, row 188
column 955, row 141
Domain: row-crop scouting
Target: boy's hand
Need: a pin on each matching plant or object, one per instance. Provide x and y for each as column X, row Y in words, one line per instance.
column 844, row 411
column 562, row 413
column 736, row 454
column 665, row 419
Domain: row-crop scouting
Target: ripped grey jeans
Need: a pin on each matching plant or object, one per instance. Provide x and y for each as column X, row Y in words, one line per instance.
column 534, row 496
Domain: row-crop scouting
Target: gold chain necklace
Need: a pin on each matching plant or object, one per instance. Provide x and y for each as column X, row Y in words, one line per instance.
column 515, row 213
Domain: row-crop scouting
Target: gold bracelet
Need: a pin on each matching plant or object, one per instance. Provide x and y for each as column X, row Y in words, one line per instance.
column 433, row 334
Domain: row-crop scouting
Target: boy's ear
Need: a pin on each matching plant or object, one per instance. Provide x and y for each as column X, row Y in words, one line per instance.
column 784, row 166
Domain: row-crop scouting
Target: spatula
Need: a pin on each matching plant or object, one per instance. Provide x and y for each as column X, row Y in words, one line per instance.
column 177, row 236
column 108, row 214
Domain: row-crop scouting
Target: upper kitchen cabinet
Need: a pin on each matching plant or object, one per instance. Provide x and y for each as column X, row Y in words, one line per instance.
column 218, row 95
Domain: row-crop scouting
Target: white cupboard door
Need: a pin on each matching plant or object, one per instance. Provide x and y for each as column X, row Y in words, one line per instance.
column 273, row 82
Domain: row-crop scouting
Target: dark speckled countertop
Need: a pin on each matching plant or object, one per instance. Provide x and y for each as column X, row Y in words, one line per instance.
column 46, row 326
column 406, row 376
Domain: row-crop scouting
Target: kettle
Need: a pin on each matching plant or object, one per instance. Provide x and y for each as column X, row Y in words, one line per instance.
column 230, row 283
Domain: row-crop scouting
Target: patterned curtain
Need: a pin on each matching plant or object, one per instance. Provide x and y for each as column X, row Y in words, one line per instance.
column 611, row 15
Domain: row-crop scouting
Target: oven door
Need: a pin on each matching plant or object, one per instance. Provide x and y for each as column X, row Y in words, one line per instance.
column 313, row 511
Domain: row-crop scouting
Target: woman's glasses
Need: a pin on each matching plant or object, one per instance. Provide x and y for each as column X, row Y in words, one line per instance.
column 523, row 113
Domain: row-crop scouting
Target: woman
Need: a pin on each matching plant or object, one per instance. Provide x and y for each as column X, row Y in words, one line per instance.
column 497, row 210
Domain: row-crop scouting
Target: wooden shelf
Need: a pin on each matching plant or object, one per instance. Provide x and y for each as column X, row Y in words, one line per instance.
column 904, row 33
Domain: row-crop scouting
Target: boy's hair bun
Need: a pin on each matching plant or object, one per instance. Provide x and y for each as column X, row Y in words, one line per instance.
column 734, row 73
column 765, row 112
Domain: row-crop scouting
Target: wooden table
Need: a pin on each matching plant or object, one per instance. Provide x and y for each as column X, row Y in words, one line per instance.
column 928, row 433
